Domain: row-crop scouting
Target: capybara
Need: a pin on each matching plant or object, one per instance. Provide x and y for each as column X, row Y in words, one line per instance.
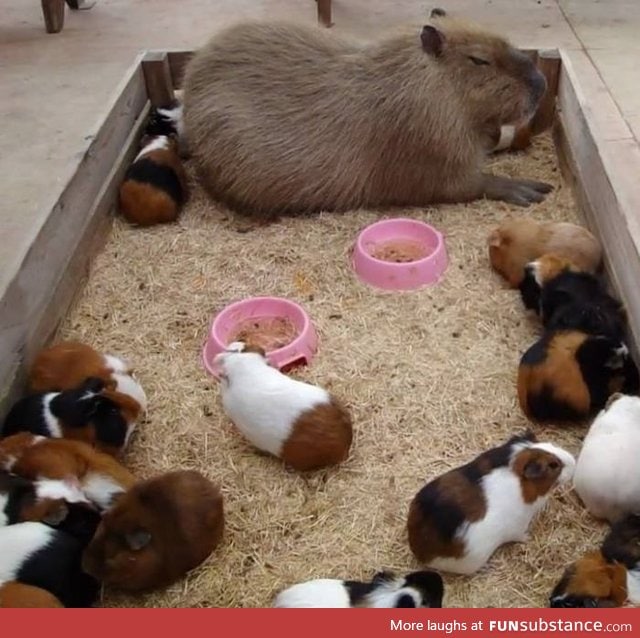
column 285, row 118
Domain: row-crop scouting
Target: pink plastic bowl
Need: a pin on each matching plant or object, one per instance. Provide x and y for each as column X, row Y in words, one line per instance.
column 400, row 276
column 301, row 350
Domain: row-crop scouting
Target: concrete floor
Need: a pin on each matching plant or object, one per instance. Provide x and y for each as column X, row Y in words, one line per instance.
column 55, row 87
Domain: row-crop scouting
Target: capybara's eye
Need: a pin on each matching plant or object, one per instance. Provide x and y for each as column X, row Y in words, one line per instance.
column 478, row 61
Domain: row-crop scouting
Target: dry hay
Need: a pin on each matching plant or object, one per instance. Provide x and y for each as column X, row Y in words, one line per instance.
column 429, row 375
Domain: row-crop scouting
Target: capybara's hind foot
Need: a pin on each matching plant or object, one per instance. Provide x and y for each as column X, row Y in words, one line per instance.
column 521, row 192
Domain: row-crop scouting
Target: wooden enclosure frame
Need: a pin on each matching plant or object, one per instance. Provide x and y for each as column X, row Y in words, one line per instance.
column 598, row 153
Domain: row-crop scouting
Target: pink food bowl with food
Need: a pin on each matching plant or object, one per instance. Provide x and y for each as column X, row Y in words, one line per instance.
column 400, row 254
column 281, row 327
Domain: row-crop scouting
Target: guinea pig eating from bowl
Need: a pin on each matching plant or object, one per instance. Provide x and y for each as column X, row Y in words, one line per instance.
column 568, row 375
column 458, row 520
column 607, row 477
column 158, row 531
column 88, row 413
column 300, row 423
column 609, row 577
column 418, row 589
column 517, row 242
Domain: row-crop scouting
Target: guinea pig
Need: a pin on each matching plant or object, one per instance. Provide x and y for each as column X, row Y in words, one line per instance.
column 567, row 376
column 512, row 138
column 300, row 423
column 607, row 477
column 536, row 276
column 68, row 364
column 516, row 242
column 14, row 595
column 458, row 520
column 606, row 578
column 418, row 589
column 40, row 556
column 166, row 120
column 158, row 531
column 87, row 413
column 155, row 185
column 99, row 476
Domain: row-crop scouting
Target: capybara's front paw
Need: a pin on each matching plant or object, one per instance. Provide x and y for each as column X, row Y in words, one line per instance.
column 521, row 192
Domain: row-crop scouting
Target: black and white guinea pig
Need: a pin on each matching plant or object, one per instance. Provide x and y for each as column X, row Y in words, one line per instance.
column 298, row 422
column 458, row 520
column 87, row 413
column 418, row 589
column 566, row 376
column 537, row 274
column 166, row 120
column 40, row 556
column 606, row 578
column 155, row 185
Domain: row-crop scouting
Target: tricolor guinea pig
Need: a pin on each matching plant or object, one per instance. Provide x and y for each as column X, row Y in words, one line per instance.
column 39, row 556
column 418, row 589
column 14, row 595
column 607, row 477
column 68, row 364
column 155, row 185
column 300, row 423
column 166, row 120
column 609, row 577
column 157, row 532
column 88, row 413
column 458, row 520
column 516, row 242
column 566, row 376
column 99, row 476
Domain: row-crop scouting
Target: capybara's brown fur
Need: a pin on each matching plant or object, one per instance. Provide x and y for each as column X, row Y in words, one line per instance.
column 14, row 595
column 158, row 531
column 286, row 119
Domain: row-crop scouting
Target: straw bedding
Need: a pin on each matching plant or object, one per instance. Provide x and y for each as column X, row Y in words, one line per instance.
column 429, row 376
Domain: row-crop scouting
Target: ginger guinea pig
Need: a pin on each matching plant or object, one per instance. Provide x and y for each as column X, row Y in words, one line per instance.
column 158, row 531
column 606, row 578
column 155, row 185
column 458, row 520
column 68, row 364
column 607, row 477
column 88, row 413
column 14, row 595
column 516, row 242
column 300, row 423
column 566, row 376
column 418, row 589
column 39, row 556
column 97, row 475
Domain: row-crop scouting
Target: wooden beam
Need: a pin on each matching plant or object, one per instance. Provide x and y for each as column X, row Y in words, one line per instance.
column 40, row 291
column 178, row 61
column 324, row 13
column 157, row 76
column 53, row 12
column 549, row 63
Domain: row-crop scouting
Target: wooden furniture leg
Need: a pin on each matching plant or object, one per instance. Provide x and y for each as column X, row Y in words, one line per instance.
column 53, row 11
column 324, row 12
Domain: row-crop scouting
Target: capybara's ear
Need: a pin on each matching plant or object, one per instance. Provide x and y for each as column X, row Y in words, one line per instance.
column 433, row 40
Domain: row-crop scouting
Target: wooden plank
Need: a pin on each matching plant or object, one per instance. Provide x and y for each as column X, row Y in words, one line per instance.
column 324, row 13
column 549, row 64
column 157, row 76
column 39, row 293
column 605, row 180
column 53, row 12
column 178, row 60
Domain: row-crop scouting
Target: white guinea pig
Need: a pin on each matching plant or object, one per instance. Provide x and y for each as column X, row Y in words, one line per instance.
column 607, row 477
column 459, row 519
column 418, row 589
column 300, row 423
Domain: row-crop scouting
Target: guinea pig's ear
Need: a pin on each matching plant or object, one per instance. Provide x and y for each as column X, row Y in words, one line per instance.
column 93, row 384
column 612, row 399
column 382, row 577
column 534, row 470
column 56, row 514
column 433, row 40
column 138, row 540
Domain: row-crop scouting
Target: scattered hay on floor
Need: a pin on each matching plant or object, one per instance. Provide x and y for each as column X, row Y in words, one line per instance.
column 429, row 376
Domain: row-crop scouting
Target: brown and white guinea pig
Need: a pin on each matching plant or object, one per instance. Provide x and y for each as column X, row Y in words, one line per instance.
column 458, row 520
column 14, row 595
column 516, row 242
column 158, row 531
column 512, row 138
column 155, row 185
column 66, row 365
column 417, row 589
column 567, row 376
column 607, row 477
column 609, row 577
column 300, row 423
column 39, row 556
column 87, row 413
column 99, row 476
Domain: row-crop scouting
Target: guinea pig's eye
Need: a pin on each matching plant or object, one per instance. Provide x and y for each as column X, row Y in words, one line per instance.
column 479, row 61
column 554, row 465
